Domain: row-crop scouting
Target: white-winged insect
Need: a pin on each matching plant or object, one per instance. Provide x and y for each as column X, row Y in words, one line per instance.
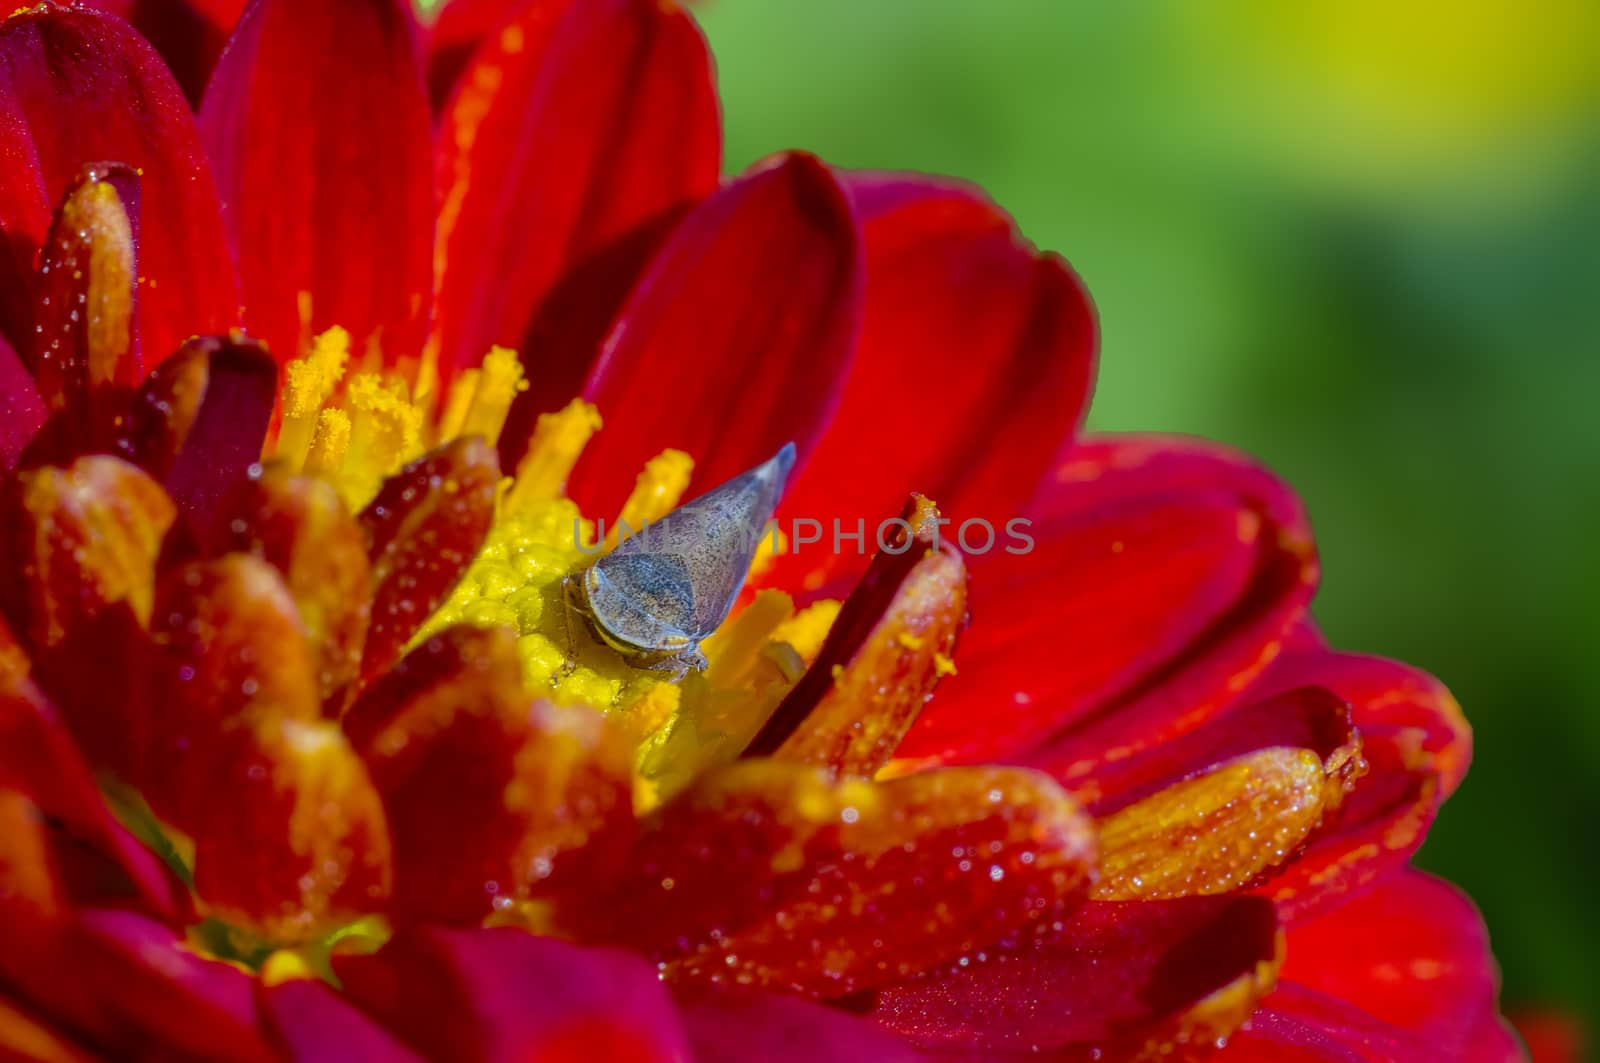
column 658, row 594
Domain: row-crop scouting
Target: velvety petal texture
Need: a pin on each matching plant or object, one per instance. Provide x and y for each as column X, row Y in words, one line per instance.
column 341, row 149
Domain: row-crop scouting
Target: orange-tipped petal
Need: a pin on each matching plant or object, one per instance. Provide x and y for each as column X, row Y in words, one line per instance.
column 85, row 354
column 770, row 874
column 83, row 88
column 318, row 127
column 1222, row 829
column 227, row 644
column 1115, row 980
column 294, row 842
column 299, row 525
column 883, row 657
column 423, row 530
column 198, row 422
column 593, row 124
column 492, row 797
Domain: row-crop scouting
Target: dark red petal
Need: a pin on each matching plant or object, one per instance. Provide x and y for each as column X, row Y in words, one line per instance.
column 1304, row 718
column 320, row 133
column 1166, row 574
column 1297, row 1025
column 22, row 411
column 459, row 27
column 1413, row 953
column 974, row 365
column 24, row 218
column 39, row 760
column 199, row 421
column 725, row 1027
column 30, row 1038
column 423, row 530
column 488, row 995
column 1388, row 698
column 492, row 797
column 134, row 988
column 189, row 34
column 1117, row 976
column 87, row 89
column 312, row 1023
column 882, row 659
column 737, row 338
column 593, row 125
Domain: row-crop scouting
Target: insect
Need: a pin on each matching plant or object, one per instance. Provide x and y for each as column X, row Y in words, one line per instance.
column 658, row 594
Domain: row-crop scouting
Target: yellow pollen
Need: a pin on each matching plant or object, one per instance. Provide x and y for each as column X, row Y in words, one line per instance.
column 309, row 383
column 655, row 494
column 329, row 446
column 457, row 403
column 558, row 440
column 499, row 382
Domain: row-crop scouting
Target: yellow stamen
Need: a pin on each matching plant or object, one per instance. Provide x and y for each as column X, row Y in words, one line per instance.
column 456, row 405
column 655, row 494
column 732, row 651
column 330, row 445
column 558, row 440
column 310, row 382
column 98, row 210
column 385, row 432
column 807, row 629
column 499, row 382
column 285, row 965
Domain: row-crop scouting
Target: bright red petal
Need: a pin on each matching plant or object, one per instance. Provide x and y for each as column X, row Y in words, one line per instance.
column 1166, row 574
column 736, row 340
column 319, row 129
column 974, row 365
column 592, row 126
column 1412, row 953
column 1117, row 976
column 79, row 87
column 474, row 995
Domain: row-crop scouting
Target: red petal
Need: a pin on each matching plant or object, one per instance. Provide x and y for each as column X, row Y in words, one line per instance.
column 473, row 995
column 313, row 1024
column 459, row 27
column 295, row 844
column 320, row 132
column 1388, row 697
column 974, row 365
column 423, row 530
column 770, row 874
column 1166, row 575
column 87, row 89
column 1127, row 976
column 22, row 411
column 491, row 796
column 134, row 989
column 726, row 1027
column 199, row 421
column 189, row 34
column 30, row 1038
column 592, row 124
column 736, row 340
column 1412, row 953
column 1300, row 1026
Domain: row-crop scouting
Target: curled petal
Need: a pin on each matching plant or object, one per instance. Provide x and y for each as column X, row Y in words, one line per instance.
column 1114, row 980
column 1222, row 829
column 200, row 419
column 84, row 88
column 974, row 364
column 227, row 643
column 882, row 659
column 341, row 150
column 85, row 358
column 765, row 274
column 770, row 874
column 1412, row 953
column 22, row 411
column 458, row 28
column 298, row 845
column 592, row 124
column 423, row 530
column 483, row 995
column 298, row 525
column 1164, row 577
column 492, row 797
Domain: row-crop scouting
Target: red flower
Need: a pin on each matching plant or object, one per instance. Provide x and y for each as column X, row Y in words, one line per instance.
column 295, row 755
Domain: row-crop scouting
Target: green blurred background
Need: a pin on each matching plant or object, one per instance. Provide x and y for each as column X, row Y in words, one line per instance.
column 1359, row 240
